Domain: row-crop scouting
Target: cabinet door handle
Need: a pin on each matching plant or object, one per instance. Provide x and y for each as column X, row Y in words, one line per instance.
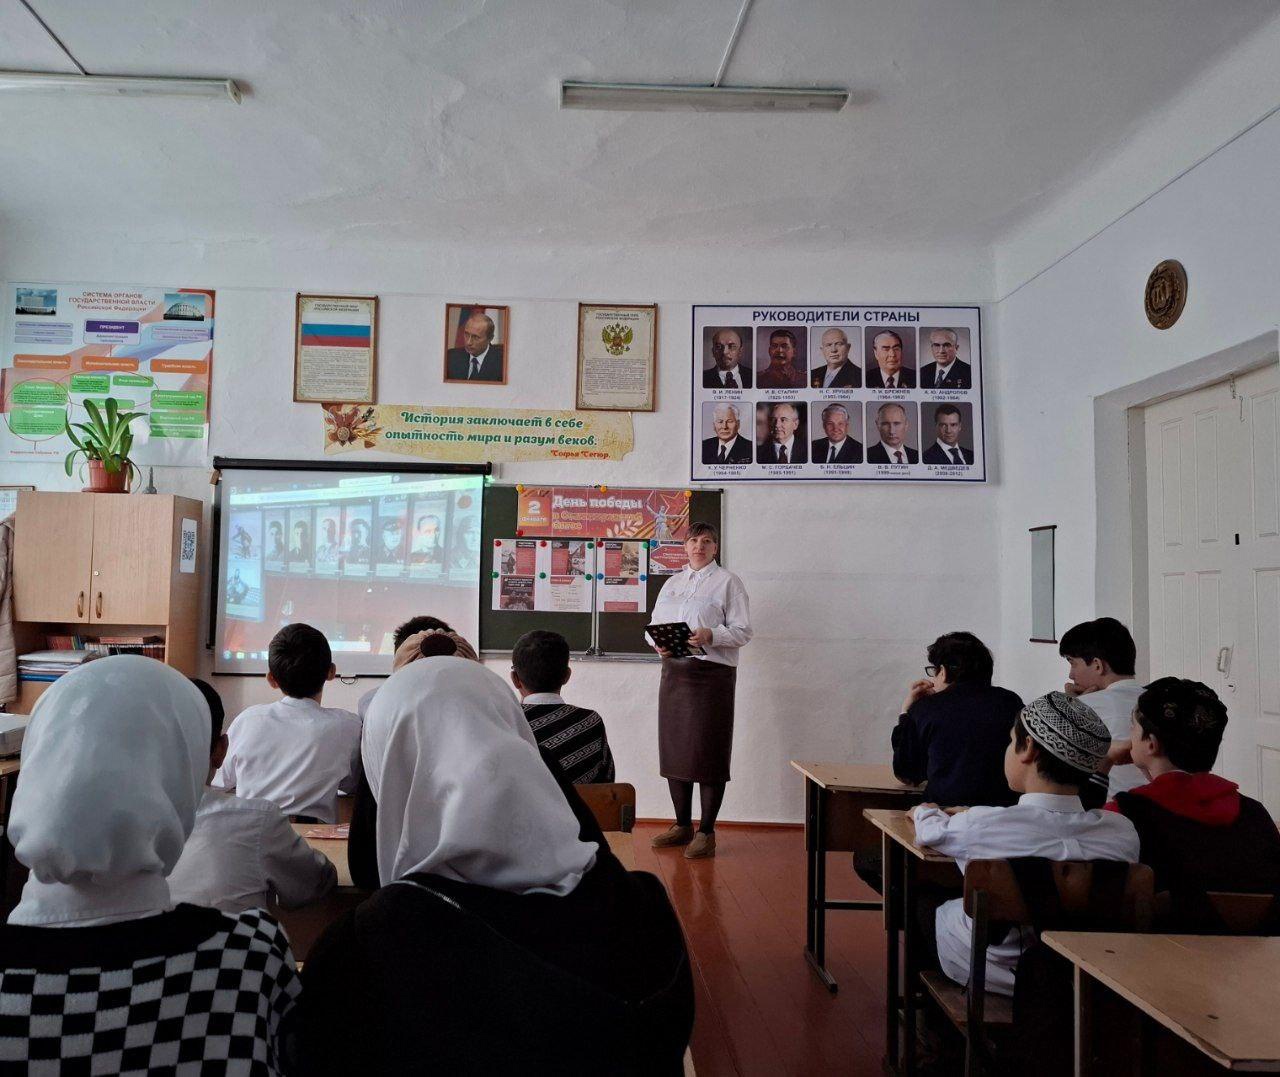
column 98, row 605
column 80, row 605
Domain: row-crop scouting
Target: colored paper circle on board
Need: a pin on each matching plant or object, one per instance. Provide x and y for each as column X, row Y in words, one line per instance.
column 653, row 544
column 591, row 545
column 542, row 575
column 688, row 493
column 495, row 575
column 519, row 488
column 543, row 542
column 599, row 575
column 519, row 534
column 497, row 542
column 643, row 578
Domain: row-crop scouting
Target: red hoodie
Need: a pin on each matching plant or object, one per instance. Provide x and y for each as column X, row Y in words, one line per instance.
column 1204, row 797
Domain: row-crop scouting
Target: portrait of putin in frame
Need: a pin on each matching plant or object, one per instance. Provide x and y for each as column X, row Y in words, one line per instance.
column 475, row 340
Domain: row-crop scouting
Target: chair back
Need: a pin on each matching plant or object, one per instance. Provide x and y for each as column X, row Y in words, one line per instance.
column 1245, row 914
column 612, row 803
column 1076, row 895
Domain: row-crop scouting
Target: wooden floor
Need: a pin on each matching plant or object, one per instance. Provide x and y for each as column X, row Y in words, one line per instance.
column 760, row 1010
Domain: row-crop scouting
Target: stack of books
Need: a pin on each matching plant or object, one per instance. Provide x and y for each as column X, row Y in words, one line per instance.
column 148, row 646
column 48, row 665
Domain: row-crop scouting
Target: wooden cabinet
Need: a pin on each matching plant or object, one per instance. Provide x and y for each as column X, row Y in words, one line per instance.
column 105, row 565
column 53, row 555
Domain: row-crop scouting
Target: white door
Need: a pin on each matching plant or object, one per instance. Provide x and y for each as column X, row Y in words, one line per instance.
column 1213, row 546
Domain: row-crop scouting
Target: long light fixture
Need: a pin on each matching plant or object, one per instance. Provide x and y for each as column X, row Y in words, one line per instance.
column 645, row 97
column 118, row 85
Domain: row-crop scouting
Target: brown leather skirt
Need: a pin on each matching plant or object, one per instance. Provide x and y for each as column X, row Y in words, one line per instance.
column 695, row 719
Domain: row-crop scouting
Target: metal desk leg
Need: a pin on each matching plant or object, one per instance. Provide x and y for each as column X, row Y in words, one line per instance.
column 811, row 844
column 892, row 855
column 815, row 953
column 910, row 965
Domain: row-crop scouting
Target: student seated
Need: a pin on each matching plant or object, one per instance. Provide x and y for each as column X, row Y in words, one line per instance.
column 1101, row 655
column 1055, row 745
column 99, row 971
column 243, row 854
column 571, row 738
column 1198, row 833
column 362, row 856
column 510, row 938
column 411, row 627
column 294, row 752
column 954, row 726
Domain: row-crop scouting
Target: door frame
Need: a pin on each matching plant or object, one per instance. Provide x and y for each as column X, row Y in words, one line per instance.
column 1120, row 573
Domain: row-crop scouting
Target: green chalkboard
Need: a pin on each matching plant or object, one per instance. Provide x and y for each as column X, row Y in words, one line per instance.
column 614, row 633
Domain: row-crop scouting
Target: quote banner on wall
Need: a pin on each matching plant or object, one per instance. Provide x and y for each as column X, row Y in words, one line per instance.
column 151, row 349
column 472, row 435
column 578, row 512
column 843, row 393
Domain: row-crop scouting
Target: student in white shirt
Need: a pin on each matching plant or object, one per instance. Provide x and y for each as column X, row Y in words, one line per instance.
column 695, row 698
column 1055, row 744
column 294, row 752
column 411, row 627
column 243, row 854
column 1101, row 655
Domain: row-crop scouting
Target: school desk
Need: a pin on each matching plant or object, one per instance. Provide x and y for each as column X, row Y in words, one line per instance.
column 1142, row 999
column 835, row 796
column 305, row 925
column 903, row 859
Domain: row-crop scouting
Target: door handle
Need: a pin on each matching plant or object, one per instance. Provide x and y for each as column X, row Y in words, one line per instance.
column 98, row 606
column 80, row 605
column 1224, row 659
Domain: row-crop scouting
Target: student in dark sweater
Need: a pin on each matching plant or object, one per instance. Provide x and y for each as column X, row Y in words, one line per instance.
column 954, row 727
column 571, row 737
column 952, row 734
column 1198, row 833
column 509, row 939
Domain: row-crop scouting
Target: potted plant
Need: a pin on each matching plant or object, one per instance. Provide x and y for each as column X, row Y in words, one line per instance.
column 104, row 441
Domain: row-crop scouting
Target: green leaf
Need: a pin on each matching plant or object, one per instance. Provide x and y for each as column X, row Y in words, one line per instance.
column 70, row 462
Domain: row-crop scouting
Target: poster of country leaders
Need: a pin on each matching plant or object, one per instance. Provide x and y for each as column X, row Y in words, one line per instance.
column 149, row 348
column 837, row 393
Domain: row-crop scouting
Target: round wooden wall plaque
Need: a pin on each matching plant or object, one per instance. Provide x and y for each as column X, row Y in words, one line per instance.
column 1166, row 294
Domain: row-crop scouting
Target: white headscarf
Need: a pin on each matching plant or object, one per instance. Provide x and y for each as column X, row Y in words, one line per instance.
column 461, row 789
column 113, row 766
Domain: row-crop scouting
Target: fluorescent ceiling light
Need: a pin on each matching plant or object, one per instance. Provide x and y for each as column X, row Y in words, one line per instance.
column 642, row 97
column 120, row 85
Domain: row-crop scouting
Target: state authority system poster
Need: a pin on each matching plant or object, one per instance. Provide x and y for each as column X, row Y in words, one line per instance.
column 841, row 392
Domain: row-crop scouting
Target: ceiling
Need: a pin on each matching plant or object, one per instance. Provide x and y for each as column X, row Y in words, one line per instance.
column 390, row 122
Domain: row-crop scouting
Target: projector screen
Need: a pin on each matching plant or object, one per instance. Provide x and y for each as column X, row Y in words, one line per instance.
column 353, row 553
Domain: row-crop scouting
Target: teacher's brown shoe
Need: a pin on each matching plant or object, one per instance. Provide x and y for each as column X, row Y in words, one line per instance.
column 676, row 835
column 702, row 845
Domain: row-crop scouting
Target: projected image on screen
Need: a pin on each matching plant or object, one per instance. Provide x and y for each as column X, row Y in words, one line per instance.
column 354, row 554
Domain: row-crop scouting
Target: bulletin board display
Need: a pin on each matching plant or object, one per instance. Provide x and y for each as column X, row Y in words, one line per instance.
column 574, row 568
column 844, row 393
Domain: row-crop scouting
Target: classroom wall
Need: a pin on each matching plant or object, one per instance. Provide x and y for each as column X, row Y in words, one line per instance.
column 1078, row 331
column 848, row 583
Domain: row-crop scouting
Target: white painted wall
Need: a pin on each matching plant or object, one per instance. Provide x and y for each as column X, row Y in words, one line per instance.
column 1078, row 331
column 848, row 584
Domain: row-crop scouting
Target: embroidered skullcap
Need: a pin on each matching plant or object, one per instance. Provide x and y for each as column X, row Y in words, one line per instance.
column 1068, row 730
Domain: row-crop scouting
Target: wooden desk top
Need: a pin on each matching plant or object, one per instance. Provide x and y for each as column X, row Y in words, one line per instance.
column 623, row 846
column 854, row 777
column 1218, row 993
column 899, row 827
column 10, row 765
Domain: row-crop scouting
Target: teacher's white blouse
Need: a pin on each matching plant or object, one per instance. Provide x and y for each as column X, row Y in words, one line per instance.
column 714, row 598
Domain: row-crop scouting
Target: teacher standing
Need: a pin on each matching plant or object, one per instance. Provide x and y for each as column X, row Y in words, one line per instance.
column 695, row 699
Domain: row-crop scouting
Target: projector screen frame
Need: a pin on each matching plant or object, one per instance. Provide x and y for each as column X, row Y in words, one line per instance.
column 231, row 463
